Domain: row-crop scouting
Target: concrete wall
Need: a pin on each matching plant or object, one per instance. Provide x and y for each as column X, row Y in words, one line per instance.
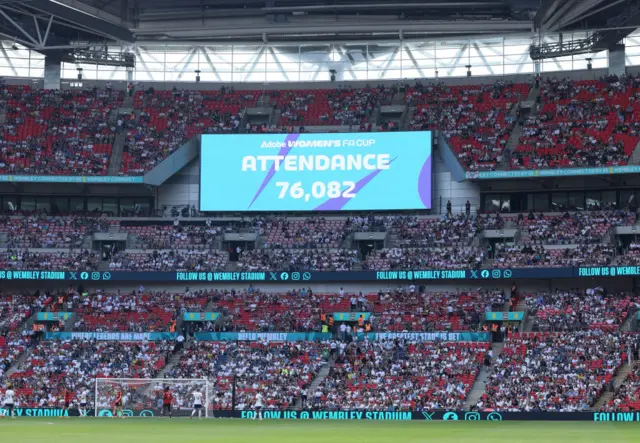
column 576, row 75
column 181, row 189
column 445, row 188
column 525, row 286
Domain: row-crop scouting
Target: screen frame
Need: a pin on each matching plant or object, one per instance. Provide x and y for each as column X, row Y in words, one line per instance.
column 306, row 212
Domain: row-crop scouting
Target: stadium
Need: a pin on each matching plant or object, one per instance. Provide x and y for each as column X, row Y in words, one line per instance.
column 150, row 291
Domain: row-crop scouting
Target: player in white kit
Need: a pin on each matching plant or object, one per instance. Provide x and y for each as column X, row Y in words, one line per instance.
column 258, row 405
column 9, row 401
column 197, row 404
column 84, row 395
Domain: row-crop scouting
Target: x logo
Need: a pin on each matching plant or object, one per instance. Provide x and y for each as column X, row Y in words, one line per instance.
column 273, row 276
column 73, row 275
column 474, row 274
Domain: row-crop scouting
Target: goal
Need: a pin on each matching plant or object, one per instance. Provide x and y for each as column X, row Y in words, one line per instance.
column 143, row 396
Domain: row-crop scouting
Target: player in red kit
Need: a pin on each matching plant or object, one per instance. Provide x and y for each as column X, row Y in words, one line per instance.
column 167, row 399
column 118, row 404
column 67, row 397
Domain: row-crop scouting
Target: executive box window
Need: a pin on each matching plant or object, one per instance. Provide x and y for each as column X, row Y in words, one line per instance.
column 28, row 204
column 60, row 206
column 9, row 204
column 76, row 204
column 110, row 206
column 540, row 203
column 497, row 203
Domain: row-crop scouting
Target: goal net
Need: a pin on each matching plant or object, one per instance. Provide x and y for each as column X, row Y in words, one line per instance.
column 142, row 397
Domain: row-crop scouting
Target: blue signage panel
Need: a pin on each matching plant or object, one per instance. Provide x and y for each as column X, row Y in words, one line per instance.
column 306, row 276
column 114, row 179
column 262, row 336
column 111, row 336
column 316, row 172
column 564, row 172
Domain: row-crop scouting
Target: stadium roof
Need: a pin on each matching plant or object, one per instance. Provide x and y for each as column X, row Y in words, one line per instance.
column 48, row 24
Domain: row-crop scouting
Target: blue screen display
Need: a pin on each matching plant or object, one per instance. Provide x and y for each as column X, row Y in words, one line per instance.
column 316, row 172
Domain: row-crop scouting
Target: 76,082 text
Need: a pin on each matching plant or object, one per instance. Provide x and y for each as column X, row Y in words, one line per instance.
column 333, row 189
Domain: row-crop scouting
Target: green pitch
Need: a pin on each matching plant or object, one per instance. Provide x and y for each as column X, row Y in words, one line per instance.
column 76, row 430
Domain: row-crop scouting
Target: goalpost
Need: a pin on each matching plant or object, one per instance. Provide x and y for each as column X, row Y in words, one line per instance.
column 143, row 396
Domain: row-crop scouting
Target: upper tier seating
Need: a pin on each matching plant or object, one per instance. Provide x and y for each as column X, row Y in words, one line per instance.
column 57, row 132
column 581, row 124
column 476, row 119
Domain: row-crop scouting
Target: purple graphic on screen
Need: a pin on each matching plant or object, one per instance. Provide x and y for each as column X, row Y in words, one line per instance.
column 336, row 204
column 424, row 183
column 283, row 151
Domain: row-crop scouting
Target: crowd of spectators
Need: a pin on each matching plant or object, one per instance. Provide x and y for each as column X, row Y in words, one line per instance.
column 342, row 106
column 172, row 260
column 310, row 233
column 56, row 365
column 16, row 308
column 631, row 256
column 63, row 260
column 297, row 260
column 167, row 119
column 476, row 119
column 174, row 236
column 528, row 256
column 135, row 311
column 424, row 258
column 585, row 123
column 395, row 376
column 280, row 371
column 12, row 345
column 579, row 123
column 627, row 396
column 50, row 232
column 571, row 228
column 415, row 309
column 61, row 132
column 414, row 232
column 574, row 310
column 561, row 372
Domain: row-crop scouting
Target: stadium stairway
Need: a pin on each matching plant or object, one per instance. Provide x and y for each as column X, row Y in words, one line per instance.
column 375, row 117
column 511, row 145
column 527, row 322
column 479, row 387
column 115, row 161
column 619, row 379
column 514, row 138
column 408, row 113
column 633, row 160
column 320, row 377
column 629, row 323
column 174, row 359
column 3, row 116
column 274, row 118
column 16, row 364
column 522, row 307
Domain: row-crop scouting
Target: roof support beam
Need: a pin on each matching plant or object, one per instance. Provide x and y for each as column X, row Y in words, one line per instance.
column 413, row 60
column 83, row 20
column 8, row 59
column 18, row 27
column 35, row 23
column 96, row 12
column 571, row 15
column 46, row 33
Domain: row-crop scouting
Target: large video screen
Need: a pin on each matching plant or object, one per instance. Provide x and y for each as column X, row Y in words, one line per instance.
column 316, row 172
